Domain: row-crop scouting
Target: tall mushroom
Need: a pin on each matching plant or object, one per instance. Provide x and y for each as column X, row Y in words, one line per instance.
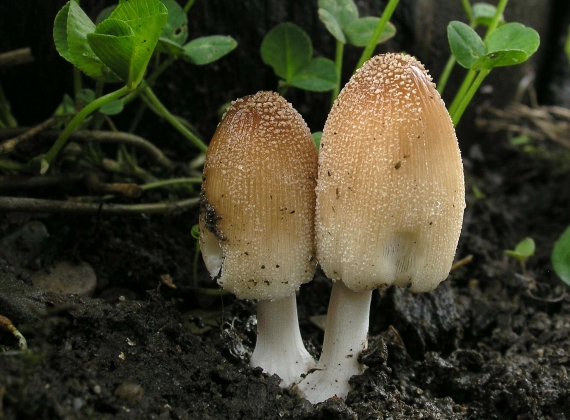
column 390, row 201
column 257, row 221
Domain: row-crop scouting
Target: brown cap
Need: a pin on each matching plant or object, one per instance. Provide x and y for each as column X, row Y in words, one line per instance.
column 390, row 194
column 258, row 199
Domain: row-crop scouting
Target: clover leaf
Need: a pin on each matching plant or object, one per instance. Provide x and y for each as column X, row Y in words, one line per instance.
column 288, row 50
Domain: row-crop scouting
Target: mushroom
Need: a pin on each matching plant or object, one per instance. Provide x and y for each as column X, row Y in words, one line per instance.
column 390, row 201
column 257, row 221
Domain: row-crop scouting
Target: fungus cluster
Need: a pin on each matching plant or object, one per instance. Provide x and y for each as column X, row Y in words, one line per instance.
column 256, row 221
column 389, row 209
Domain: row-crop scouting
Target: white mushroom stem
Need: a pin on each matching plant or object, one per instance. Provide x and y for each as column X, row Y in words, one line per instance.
column 279, row 348
column 346, row 336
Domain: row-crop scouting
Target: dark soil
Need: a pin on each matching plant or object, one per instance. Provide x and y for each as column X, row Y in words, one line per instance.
column 489, row 343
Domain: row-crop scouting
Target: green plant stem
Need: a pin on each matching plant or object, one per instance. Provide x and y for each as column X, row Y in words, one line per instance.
column 5, row 115
column 338, row 64
column 456, row 116
column 78, row 119
column 469, row 77
column 442, row 82
column 188, row 5
column 11, row 165
column 171, row 182
column 149, row 95
column 148, row 81
column 495, row 22
column 128, row 157
column 469, row 12
column 122, row 167
column 138, row 117
column 384, row 19
column 473, row 80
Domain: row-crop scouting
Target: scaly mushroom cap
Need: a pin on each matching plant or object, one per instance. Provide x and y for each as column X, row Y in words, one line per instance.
column 390, row 191
column 258, row 199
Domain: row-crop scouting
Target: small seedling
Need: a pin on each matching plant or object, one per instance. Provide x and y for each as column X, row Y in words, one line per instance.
column 522, row 252
column 342, row 20
column 561, row 256
column 289, row 51
column 117, row 49
column 522, row 140
column 506, row 45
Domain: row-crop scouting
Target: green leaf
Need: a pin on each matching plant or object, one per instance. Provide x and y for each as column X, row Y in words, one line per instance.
column 104, row 14
column 66, row 107
column 60, row 33
column 513, row 36
column 286, row 48
column 85, row 96
column 44, row 166
column 207, row 49
column 499, row 59
column 526, row 247
column 318, row 75
column 112, row 108
column 484, row 14
column 343, row 11
column 361, row 30
column 79, row 26
column 523, row 250
column 176, row 30
column 317, row 138
column 479, row 195
column 508, row 45
column 114, row 43
column 195, row 231
column 169, row 47
column 465, row 44
column 561, row 256
column 332, row 25
column 147, row 19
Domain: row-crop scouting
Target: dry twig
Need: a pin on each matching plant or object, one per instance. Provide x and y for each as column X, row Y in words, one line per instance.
column 9, row 145
column 35, row 205
column 86, row 136
column 16, row 57
column 545, row 122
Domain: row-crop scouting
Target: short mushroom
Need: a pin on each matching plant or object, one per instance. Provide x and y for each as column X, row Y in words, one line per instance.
column 390, row 202
column 257, row 221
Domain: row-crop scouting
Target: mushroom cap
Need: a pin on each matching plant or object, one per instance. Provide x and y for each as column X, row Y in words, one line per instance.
column 258, row 199
column 390, row 190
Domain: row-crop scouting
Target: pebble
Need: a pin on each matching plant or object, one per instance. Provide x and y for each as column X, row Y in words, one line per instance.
column 24, row 244
column 65, row 277
column 129, row 392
